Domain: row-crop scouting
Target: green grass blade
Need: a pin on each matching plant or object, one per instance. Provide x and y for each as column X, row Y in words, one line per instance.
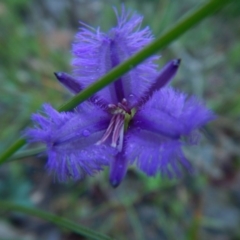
column 27, row 153
column 188, row 21
column 12, row 149
column 60, row 221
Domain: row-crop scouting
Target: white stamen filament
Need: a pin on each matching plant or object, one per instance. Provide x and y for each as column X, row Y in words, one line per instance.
column 108, row 131
column 120, row 141
column 116, row 125
column 119, row 123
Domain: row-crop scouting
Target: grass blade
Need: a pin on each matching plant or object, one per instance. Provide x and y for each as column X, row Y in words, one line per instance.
column 60, row 221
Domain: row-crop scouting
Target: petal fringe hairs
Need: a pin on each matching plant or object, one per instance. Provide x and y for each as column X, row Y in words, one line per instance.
column 138, row 119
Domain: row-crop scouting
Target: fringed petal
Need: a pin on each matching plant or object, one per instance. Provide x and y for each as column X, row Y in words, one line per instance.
column 75, row 161
column 96, row 53
column 71, row 140
column 172, row 113
column 154, row 153
column 160, row 128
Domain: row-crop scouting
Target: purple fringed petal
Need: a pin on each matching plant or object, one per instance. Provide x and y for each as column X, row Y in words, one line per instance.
column 172, row 114
column 45, row 127
column 74, row 160
column 195, row 114
column 96, row 53
column 71, row 140
column 154, row 153
column 155, row 133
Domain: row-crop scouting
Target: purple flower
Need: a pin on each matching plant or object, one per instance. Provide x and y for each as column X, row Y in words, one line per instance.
column 135, row 120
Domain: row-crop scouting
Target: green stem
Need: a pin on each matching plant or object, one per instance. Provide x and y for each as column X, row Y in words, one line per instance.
column 12, row 149
column 60, row 221
column 188, row 21
column 27, row 153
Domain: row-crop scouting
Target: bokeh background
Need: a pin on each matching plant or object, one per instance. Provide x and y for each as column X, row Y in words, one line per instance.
column 35, row 41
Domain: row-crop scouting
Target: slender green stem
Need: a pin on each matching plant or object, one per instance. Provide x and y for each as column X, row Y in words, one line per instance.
column 188, row 21
column 27, row 153
column 60, row 221
column 12, row 149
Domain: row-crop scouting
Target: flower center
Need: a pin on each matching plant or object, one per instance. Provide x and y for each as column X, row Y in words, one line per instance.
column 116, row 125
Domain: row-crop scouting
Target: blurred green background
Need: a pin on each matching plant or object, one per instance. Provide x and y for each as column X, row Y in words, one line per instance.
column 35, row 41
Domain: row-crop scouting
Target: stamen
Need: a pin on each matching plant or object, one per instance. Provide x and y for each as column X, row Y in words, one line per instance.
column 120, row 141
column 108, row 131
column 116, row 125
column 117, row 129
column 123, row 105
